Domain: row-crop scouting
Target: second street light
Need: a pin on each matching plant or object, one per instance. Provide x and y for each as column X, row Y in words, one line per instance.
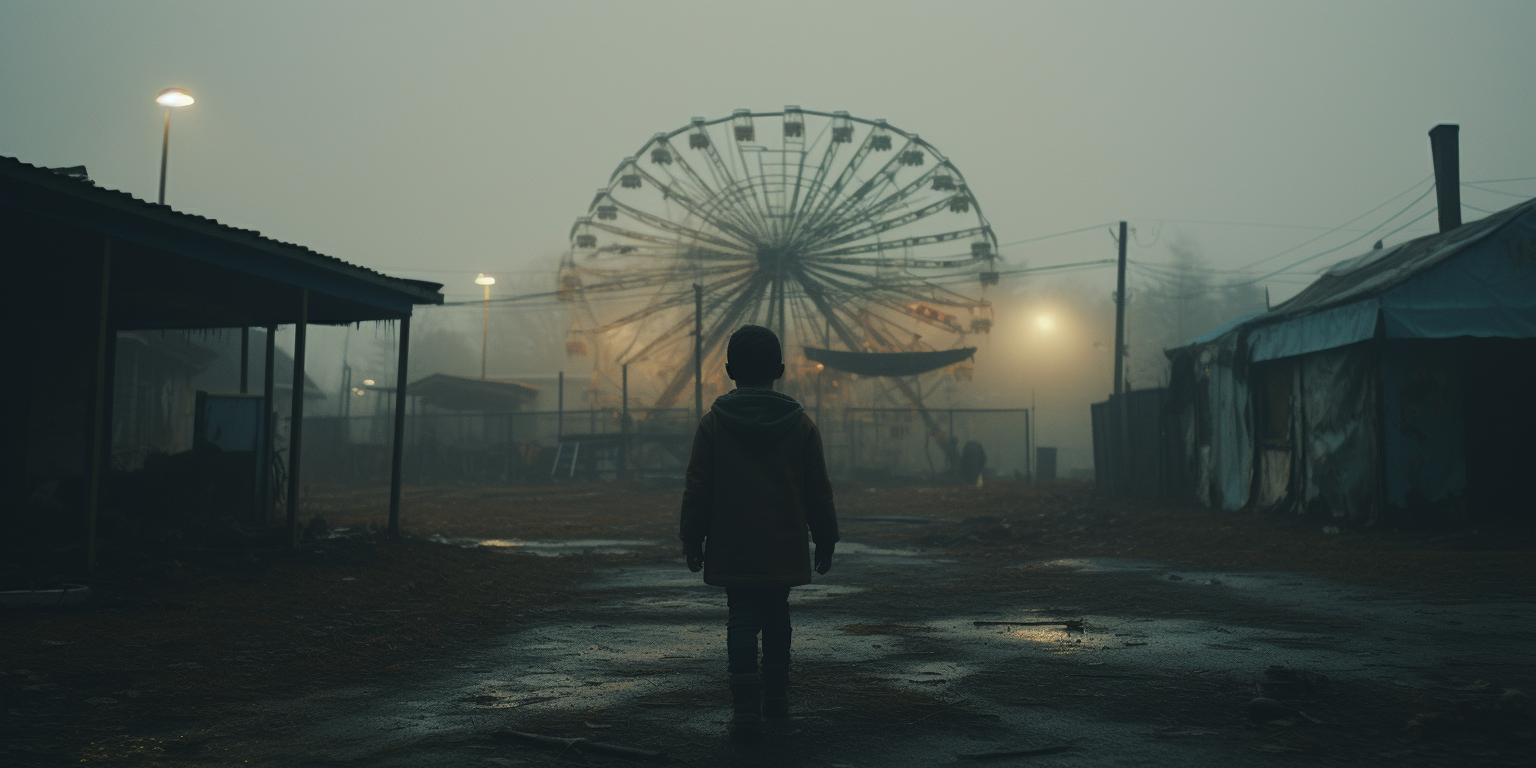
column 485, row 330
column 169, row 98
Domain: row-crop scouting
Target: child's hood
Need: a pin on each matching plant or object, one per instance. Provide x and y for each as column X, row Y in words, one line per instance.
column 757, row 415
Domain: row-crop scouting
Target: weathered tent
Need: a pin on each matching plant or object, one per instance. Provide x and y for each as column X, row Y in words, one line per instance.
column 1394, row 388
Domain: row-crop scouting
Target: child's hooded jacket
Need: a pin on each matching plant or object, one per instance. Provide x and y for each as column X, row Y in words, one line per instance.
column 757, row 481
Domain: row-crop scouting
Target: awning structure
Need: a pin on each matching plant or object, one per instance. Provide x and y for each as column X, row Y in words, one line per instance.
column 888, row 363
column 461, row 393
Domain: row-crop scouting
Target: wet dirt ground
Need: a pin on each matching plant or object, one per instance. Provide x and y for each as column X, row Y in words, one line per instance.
column 940, row 635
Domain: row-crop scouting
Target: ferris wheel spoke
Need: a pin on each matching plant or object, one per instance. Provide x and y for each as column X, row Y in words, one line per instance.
column 673, row 189
column 675, row 228
column 908, row 242
column 885, row 175
column 883, row 205
column 814, row 190
column 833, row 192
column 728, row 183
column 921, row 290
column 683, row 247
column 715, row 291
column 742, row 221
column 615, row 282
column 714, row 338
column 881, row 227
column 825, row 304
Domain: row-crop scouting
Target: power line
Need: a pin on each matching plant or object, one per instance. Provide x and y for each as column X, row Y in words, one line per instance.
column 1341, row 227
column 1495, row 191
column 1057, row 234
column 1411, row 223
column 1499, row 181
column 1362, row 236
column 1243, row 223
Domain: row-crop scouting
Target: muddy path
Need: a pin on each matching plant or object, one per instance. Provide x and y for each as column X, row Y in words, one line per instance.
column 1147, row 666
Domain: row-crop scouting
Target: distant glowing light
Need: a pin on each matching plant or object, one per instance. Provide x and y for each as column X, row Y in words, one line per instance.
column 367, row 382
column 174, row 97
column 484, row 279
column 1045, row 322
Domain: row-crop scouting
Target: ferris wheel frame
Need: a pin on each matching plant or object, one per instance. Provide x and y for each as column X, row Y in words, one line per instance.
column 816, row 249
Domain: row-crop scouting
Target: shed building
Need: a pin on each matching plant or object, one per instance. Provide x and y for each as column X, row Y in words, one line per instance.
column 87, row 264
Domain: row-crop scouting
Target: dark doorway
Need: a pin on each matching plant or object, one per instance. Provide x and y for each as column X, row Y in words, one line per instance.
column 1501, row 430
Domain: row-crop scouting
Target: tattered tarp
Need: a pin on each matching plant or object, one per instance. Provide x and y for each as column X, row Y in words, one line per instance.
column 460, row 393
column 888, row 363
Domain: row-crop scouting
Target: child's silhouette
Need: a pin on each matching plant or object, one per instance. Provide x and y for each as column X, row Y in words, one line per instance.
column 757, row 481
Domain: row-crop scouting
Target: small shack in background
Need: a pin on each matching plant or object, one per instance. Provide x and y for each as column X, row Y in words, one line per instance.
column 1394, row 389
column 88, row 266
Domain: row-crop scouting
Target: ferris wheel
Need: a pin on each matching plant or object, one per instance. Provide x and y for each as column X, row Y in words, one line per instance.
column 834, row 230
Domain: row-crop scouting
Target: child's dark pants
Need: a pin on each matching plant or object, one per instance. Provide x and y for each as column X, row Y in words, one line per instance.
column 752, row 610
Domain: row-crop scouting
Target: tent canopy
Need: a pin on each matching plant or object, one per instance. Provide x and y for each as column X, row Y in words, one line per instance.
column 888, row 363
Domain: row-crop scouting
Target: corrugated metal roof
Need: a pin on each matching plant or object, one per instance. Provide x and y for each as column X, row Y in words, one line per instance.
column 86, row 188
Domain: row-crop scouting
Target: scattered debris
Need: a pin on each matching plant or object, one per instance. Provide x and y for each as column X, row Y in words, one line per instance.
column 69, row 594
column 1281, row 682
column 1330, row 529
column 1071, row 624
column 1264, row 710
column 1505, row 713
column 583, row 745
column 1025, row 752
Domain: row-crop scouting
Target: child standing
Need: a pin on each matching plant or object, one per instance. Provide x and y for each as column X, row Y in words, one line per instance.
column 757, row 481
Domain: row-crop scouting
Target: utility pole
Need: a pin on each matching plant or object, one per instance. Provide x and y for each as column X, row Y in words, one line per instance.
column 1121, row 471
column 1120, row 316
column 698, row 350
column 624, row 422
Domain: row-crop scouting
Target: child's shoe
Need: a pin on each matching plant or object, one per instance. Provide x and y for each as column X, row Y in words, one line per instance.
column 747, row 711
column 776, row 694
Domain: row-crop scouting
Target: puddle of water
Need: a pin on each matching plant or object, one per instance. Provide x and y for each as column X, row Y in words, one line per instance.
column 556, row 547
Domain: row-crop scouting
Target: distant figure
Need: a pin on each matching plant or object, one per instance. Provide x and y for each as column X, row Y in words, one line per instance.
column 973, row 459
column 757, row 480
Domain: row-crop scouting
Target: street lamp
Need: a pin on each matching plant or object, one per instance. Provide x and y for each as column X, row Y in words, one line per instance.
column 485, row 330
column 169, row 98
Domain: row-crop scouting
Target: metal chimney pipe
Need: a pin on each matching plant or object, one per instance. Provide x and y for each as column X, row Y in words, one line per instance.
column 1442, row 145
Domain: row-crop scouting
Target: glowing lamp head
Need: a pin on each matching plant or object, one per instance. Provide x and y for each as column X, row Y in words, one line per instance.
column 1045, row 322
column 484, row 279
column 174, row 97
column 367, row 382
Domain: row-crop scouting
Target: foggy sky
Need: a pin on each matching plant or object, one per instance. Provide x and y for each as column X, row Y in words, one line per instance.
column 438, row 140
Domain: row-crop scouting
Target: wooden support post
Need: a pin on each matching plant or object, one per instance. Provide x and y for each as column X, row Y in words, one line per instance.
column 624, row 421
column 245, row 360
column 559, row 406
column 397, row 461
column 296, row 422
column 1120, row 316
column 98, row 408
column 268, row 499
column 698, row 351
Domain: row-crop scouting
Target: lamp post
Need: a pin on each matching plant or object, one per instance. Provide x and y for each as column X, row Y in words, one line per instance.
column 169, row 98
column 485, row 330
